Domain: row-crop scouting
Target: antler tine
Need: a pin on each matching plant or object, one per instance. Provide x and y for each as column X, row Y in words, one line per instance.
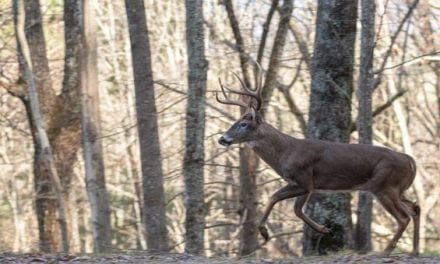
column 222, row 88
column 227, row 100
column 260, row 79
column 248, row 91
column 243, row 85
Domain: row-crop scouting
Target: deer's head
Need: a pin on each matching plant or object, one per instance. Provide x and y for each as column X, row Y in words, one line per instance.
column 246, row 128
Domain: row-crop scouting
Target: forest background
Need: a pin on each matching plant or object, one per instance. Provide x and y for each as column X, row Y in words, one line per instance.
column 87, row 65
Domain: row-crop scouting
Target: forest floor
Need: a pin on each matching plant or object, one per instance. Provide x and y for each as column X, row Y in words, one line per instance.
column 145, row 257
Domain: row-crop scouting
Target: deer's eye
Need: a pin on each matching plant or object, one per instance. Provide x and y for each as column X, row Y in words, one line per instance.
column 243, row 124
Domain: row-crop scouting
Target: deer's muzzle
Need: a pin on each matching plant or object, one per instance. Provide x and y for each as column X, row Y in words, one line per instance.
column 224, row 141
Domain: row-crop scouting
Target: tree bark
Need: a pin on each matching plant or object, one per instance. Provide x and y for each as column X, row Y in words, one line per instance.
column 330, row 115
column 154, row 196
column 277, row 51
column 365, row 118
column 91, row 134
column 45, row 160
column 46, row 206
column 195, row 129
column 64, row 129
column 62, row 117
column 248, row 159
column 239, row 42
column 248, row 201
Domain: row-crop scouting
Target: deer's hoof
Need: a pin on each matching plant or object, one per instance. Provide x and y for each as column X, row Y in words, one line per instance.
column 324, row 230
column 385, row 253
column 264, row 233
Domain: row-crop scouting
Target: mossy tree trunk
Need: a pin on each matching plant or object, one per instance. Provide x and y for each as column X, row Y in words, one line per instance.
column 330, row 115
column 193, row 163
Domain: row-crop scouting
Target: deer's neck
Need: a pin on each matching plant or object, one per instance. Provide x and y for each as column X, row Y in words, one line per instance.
column 271, row 146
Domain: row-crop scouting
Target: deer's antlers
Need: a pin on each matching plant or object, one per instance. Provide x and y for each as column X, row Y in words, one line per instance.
column 253, row 93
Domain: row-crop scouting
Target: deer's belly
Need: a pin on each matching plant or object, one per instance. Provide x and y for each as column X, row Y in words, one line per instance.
column 341, row 182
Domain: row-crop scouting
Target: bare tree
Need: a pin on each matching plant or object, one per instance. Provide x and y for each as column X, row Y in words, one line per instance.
column 64, row 129
column 330, row 115
column 45, row 205
column 45, row 161
column 154, row 197
column 59, row 125
column 91, row 134
column 365, row 118
column 277, row 51
column 248, row 159
column 61, row 116
column 195, row 128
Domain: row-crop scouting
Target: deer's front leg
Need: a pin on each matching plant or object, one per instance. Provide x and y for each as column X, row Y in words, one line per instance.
column 299, row 207
column 288, row 191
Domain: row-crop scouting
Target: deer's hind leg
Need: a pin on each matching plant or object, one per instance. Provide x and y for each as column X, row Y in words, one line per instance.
column 392, row 203
column 414, row 211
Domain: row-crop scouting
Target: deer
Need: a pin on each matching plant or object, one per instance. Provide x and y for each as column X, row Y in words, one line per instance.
column 312, row 165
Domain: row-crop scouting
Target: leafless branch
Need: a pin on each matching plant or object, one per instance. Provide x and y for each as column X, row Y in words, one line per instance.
column 302, row 44
column 382, row 107
column 392, row 42
column 413, row 60
column 277, row 49
column 266, row 26
column 388, row 103
column 169, row 87
column 16, row 89
column 239, row 43
column 294, row 109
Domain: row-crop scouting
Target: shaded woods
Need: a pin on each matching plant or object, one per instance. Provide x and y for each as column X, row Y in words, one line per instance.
column 109, row 124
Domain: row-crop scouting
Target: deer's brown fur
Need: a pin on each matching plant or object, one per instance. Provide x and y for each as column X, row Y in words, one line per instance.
column 310, row 165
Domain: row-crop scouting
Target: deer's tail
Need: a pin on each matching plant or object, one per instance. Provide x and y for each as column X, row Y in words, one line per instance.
column 413, row 170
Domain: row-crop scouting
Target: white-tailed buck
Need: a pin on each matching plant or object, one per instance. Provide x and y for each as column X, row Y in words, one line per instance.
column 310, row 165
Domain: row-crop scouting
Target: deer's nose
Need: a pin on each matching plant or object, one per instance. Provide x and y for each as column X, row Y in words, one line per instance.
column 223, row 141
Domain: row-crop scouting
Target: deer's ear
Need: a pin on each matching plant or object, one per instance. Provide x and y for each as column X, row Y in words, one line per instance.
column 255, row 116
column 253, row 113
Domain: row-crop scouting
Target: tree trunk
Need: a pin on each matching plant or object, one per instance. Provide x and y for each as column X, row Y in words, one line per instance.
column 248, row 159
column 64, row 129
column 45, row 204
column 62, row 117
column 45, row 160
column 91, row 134
column 248, row 201
column 195, row 129
column 154, row 197
column 277, row 51
column 365, row 119
column 330, row 115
